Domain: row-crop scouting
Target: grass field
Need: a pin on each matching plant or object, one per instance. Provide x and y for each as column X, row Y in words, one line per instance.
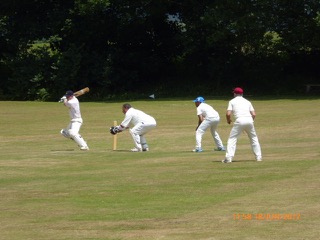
column 51, row 190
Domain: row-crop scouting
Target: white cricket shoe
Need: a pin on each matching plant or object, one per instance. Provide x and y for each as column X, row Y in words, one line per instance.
column 226, row 161
column 145, row 149
column 84, row 148
column 136, row 150
column 221, row 149
column 197, row 150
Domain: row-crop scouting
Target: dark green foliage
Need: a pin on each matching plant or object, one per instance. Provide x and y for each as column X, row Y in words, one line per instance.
column 172, row 48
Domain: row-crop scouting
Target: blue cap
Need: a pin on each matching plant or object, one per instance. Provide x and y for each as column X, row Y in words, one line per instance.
column 199, row 99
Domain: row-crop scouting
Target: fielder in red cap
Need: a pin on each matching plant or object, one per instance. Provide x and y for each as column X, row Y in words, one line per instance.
column 244, row 115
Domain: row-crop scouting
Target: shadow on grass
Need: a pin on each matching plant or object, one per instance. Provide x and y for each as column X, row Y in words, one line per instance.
column 62, row 150
column 235, row 161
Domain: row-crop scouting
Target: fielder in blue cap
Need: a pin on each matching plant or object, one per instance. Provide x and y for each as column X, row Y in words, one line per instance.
column 199, row 99
column 208, row 118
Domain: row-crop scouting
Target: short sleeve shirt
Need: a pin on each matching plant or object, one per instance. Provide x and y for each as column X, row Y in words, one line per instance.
column 74, row 108
column 207, row 111
column 135, row 116
column 240, row 107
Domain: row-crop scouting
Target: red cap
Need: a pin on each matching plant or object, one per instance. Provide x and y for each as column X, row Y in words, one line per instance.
column 238, row 90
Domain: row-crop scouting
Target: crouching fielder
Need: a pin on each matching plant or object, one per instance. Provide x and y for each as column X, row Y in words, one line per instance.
column 142, row 123
column 72, row 130
column 208, row 118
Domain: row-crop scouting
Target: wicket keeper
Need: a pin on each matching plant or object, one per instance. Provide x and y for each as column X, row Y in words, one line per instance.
column 142, row 124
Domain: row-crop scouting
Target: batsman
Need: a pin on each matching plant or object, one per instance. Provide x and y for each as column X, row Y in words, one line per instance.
column 72, row 131
column 142, row 123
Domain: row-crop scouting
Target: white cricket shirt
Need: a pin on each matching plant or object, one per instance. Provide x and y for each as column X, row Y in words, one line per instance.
column 135, row 116
column 207, row 111
column 240, row 107
column 74, row 108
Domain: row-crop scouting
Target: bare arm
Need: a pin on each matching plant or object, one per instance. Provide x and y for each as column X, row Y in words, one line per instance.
column 200, row 120
column 253, row 114
column 228, row 116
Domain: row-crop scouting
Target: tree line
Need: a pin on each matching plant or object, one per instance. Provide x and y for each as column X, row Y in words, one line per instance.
column 123, row 48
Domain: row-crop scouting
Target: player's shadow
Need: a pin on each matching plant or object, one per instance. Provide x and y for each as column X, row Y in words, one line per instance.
column 234, row 161
column 62, row 150
column 121, row 150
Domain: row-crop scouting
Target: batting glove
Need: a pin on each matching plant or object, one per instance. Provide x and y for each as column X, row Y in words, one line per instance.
column 62, row 99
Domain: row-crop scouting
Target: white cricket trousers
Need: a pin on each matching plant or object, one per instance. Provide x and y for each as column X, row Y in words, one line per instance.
column 211, row 123
column 243, row 124
column 138, row 132
column 73, row 131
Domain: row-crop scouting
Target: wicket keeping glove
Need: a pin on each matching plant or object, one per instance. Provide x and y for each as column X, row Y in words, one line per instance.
column 114, row 130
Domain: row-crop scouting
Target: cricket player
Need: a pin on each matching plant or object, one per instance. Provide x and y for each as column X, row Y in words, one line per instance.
column 72, row 130
column 244, row 114
column 208, row 118
column 142, row 123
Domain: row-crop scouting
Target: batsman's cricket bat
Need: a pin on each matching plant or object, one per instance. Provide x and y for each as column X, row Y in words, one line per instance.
column 81, row 92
